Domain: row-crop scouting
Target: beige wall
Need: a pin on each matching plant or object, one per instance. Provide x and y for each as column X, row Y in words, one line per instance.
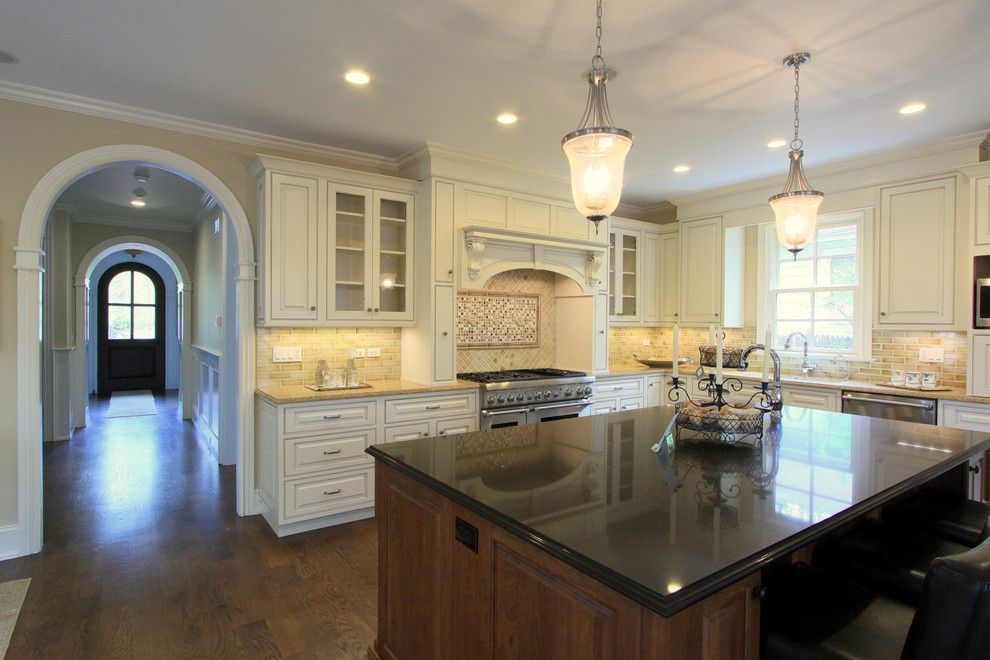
column 209, row 283
column 34, row 140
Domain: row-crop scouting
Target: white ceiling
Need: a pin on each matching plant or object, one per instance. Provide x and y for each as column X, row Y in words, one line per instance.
column 105, row 196
column 701, row 80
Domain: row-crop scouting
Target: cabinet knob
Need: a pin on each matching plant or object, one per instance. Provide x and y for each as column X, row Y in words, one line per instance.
column 444, row 333
column 441, row 432
column 759, row 592
column 716, row 315
column 450, row 272
column 601, row 332
column 312, row 308
column 369, row 309
column 883, row 313
column 376, row 309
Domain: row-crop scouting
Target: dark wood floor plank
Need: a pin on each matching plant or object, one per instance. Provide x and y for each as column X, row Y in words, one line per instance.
column 145, row 557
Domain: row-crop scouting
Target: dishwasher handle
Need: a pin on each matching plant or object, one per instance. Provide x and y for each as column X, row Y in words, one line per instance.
column 888, row 402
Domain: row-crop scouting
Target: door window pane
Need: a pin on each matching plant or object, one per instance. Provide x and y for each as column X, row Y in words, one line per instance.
column 144, row 323
column 144, row 289
column 119, row 320
column 119, row 290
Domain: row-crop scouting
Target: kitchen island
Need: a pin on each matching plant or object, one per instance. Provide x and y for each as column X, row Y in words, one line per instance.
column 617, row 536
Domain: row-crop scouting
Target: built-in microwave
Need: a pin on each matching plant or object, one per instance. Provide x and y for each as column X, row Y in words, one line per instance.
column 982, row 313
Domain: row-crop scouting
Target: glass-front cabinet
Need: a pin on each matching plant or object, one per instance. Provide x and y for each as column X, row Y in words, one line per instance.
column 369, row 269
column 623, row 270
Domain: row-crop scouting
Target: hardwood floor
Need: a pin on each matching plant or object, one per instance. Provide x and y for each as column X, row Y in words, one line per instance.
column 145, row 557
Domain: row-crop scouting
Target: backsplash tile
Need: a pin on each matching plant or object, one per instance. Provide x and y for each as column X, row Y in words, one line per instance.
column 331, row 344
column 892, row 349
column 536, row 282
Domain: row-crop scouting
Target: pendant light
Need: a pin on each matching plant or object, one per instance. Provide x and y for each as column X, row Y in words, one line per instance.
column 597, row 150
column 796, row 208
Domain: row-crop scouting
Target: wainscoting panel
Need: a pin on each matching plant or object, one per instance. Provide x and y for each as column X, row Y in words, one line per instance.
column 206, row 400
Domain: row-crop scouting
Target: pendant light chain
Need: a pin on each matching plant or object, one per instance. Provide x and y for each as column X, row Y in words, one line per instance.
column 797, row 143
column 598, row 61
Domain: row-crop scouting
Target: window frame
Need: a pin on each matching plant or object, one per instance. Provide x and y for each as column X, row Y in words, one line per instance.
column 131, row 305
column 862, row 348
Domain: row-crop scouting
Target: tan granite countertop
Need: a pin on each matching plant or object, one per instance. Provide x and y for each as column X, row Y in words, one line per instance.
column 280, row 394
column 955, row 394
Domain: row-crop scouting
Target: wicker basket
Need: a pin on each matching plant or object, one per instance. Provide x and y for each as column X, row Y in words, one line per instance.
column 729, row 425
column 731, row 356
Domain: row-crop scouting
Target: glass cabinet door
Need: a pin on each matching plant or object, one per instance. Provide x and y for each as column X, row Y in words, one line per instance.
column 613, row 284
column 393, row 270
column 351, row 224
column 629, row 275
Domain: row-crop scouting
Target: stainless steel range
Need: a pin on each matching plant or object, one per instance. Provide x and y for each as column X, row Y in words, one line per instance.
column 527, row 396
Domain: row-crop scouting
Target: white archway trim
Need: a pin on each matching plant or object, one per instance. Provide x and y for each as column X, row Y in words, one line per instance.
column 83, row 274
column 28, row 263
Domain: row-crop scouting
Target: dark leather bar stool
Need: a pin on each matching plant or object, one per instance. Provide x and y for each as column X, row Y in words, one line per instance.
column 809, row 613
column 952, row 516
column 887, row 557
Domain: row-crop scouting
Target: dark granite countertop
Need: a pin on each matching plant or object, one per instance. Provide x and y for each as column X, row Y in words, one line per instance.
column 669, row 527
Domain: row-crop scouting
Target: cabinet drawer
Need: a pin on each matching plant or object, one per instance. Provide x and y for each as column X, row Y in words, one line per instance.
column 632, row 403
column 973, row 417
column 602, row 406
column 331, row 417
column 455, row 426
column 315, row 454
column 407, row 432
column 312, row 498
column 430, row 407
column 619, row 387
column 814, row 399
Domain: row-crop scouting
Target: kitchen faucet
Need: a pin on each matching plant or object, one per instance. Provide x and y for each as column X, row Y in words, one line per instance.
column 807, row 366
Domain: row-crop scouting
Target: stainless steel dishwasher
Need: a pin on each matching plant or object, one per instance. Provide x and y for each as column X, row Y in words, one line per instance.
column 889, row 406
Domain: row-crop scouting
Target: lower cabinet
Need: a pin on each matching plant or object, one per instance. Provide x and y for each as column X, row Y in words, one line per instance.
column 814, row 398
column 979, row 364
column 493, row 595
column 970, row 417
column 312, row 467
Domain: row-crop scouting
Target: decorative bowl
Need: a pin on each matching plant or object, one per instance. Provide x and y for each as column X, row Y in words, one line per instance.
column 658, row 364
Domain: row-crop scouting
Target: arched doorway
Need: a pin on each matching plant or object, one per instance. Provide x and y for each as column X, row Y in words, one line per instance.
column 29, row 266
column 130, row 340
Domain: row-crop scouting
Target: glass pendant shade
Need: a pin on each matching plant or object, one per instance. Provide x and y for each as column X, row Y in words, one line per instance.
column 596, row 152
column 796, row 209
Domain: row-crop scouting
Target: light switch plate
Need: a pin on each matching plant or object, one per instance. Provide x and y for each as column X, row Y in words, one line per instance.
column 647, row 342
column 374, row 352
column 283, row 354
column 357, row 352
column 931, row 354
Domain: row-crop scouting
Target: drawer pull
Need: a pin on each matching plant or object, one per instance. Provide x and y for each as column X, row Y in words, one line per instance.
column 331, row 453
column 435, row 406
column 333, row 416
column 331, row 492
column 441, row 432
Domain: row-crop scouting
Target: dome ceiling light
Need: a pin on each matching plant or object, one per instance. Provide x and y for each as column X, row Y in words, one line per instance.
column 796, row 208
column 596, row 150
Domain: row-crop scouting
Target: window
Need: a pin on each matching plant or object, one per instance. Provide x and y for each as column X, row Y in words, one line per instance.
column 823, row 293
column 131, row 306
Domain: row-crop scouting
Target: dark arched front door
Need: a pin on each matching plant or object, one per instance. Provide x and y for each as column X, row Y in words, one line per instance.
column 131, row 329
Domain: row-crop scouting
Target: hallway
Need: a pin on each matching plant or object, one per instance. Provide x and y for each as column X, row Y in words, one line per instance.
column 144, row 556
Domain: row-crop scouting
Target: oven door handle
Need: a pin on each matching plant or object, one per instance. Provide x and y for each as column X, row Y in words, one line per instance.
column 565, row 404
column 508, row 411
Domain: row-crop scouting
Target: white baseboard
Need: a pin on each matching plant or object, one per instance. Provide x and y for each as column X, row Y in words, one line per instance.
column 10, row 542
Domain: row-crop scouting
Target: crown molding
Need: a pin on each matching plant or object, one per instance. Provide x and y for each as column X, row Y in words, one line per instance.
column 975, row 140
column 134, row 115
column 432, row 151
column 136, row 224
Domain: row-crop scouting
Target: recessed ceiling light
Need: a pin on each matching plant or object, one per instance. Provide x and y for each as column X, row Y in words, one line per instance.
column 507, row 118
column 776, row 144
column 357, row 77
column 139, row 195
column 912, row 108
column 138, row 202
column 681, row 169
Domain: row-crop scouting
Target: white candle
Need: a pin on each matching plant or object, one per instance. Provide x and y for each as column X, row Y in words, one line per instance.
column 677, row 335
column 766, row 355
column 718, row 356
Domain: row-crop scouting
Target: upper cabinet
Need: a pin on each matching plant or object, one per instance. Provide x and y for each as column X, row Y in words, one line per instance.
column 981, row 209
column 701, row 271
column 335, row 245
column 917, row 247
column 669, row 271
column 634, row 269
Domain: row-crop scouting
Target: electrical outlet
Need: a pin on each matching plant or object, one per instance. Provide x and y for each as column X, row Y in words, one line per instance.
column 357, row 352
column 283, row 354
column 931, row 354
column 374, row 352
column 647, row 342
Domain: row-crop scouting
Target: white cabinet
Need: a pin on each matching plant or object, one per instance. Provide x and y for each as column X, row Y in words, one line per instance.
column 634, row 272
column 655, row 395
column 312, row 466
column 600, row 356
column 917, row 266
column 701, row 271
column 292, row 221
column 981, row 210
column 979, row 364
column 335, row 245
column 670, row 277
column 813, row 398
